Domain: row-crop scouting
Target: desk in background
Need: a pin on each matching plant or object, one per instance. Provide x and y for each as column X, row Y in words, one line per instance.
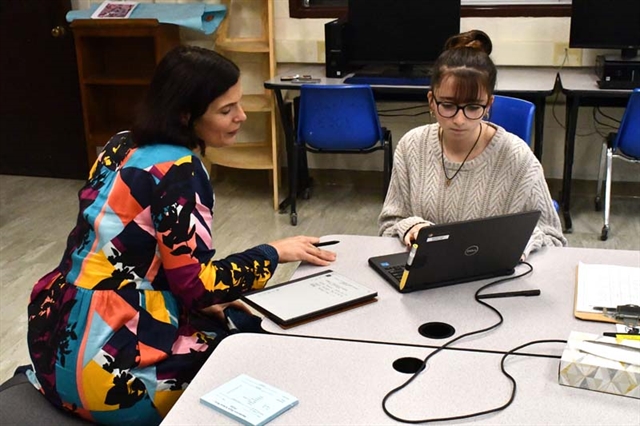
column 396, row 317
column 530, row 83
column 343, row 383
column 580, row 86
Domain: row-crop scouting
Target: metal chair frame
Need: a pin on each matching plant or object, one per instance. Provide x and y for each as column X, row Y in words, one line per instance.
column 623, row 144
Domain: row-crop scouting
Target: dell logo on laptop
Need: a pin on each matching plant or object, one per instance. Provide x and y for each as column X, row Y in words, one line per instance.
column 471, row 250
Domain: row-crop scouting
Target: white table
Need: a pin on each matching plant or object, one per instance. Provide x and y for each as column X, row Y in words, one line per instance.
column 343, row 383
column 396, row 317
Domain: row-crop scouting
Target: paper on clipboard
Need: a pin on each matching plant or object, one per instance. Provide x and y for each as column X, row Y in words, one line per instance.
column 607, row 286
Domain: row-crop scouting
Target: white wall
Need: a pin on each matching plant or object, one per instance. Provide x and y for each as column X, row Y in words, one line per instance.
column 517, row 41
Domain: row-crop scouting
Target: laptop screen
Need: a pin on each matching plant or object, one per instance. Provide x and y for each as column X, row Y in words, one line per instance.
column 460, row 252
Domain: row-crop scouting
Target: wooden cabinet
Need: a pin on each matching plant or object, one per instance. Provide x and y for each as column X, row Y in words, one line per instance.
column 246, row 37
column 116, row 61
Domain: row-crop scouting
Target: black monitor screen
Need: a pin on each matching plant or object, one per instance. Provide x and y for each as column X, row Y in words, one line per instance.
column 400, row 31
column 606, row 24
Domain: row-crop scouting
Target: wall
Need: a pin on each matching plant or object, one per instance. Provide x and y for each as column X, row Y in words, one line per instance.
column 517, row 41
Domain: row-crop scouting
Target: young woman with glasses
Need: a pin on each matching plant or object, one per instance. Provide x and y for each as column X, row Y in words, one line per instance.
column 463, row 167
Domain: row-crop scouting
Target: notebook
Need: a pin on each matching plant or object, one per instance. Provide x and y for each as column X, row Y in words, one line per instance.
column 459, row 252
column 249, row 401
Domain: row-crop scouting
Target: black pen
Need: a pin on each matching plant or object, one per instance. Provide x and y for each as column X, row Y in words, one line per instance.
column 510, row 294
column 622, row 335
column 326, row 243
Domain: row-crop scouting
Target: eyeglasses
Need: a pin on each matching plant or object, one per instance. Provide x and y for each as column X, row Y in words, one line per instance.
column 449, row 109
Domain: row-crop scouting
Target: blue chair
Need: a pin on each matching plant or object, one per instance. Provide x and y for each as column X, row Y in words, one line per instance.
column 338, row 119
column 516, row 116
column 623, row 144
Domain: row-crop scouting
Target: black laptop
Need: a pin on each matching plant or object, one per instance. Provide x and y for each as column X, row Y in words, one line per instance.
column 459, row 252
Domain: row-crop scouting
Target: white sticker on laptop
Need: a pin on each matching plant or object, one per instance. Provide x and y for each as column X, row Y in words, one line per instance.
column 437, row 238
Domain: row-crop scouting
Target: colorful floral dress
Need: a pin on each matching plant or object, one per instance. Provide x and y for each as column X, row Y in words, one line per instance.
column 111, row 333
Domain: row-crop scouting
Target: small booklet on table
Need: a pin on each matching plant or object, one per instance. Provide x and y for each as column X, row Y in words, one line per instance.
column 309, row 298
column 114, row 10
column 249, row 401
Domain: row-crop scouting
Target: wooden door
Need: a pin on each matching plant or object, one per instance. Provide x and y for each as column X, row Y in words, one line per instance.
column 41, row 129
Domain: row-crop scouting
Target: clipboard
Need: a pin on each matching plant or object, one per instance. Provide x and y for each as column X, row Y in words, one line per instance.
column 588, row 316
column 309, row 298
column 592, row 316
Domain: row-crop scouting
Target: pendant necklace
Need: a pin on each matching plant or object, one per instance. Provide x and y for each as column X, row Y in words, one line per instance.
column 444, row 169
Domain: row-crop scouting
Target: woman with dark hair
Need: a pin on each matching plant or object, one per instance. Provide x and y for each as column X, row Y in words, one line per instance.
column 461, row 167
column 119, row 329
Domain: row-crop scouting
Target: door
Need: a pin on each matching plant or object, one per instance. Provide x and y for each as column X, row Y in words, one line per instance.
column 41, row 128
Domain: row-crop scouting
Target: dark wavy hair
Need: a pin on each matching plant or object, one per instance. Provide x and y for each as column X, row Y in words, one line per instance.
column 466, row 57
column 185, row 82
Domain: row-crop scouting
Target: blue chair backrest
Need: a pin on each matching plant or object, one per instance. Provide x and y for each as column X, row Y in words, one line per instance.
column 515, row 115
column 628, row 138
column 338, row 117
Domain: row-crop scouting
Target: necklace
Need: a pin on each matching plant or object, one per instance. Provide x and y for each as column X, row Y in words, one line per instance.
column 444, row 169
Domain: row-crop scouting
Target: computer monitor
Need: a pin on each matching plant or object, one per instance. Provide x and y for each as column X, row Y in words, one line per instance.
column 399, row 33
column 606, row 24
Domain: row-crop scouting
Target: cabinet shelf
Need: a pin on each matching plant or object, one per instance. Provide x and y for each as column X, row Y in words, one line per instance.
column 256, row 56
column 117, row 81
column 100, row 137
column 257, row 103
column 116, row 61
column 248, row 155
column 244, row 45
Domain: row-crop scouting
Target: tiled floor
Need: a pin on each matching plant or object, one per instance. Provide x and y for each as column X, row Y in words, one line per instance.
column 36, row 215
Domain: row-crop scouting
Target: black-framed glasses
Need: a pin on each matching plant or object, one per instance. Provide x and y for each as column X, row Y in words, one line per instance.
column 449, row 109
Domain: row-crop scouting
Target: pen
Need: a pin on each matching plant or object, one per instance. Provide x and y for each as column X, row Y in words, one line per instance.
column 412, row 254
column 623, row 336
column 326, row 243
column 510, row 294
column 231, row 325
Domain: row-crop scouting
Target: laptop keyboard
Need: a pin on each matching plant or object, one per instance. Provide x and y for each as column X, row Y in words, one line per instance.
column 396, row 271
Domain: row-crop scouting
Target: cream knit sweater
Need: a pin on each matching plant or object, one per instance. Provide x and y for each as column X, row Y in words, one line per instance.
column 505, row 178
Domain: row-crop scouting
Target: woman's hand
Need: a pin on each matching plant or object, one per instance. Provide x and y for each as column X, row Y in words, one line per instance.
column 301, row 248
column 412, row 234
column 217, row 310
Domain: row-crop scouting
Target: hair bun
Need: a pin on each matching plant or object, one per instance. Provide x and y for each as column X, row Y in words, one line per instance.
column 474, row 39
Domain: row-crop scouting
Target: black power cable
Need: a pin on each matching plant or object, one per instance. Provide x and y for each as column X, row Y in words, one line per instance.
column 450, row 342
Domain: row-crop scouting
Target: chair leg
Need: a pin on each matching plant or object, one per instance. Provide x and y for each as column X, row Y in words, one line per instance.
column 601, row 168
column 385, row 176
column 388, row 161
column 303, row 175
column 607, row 195
column 293, row 191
